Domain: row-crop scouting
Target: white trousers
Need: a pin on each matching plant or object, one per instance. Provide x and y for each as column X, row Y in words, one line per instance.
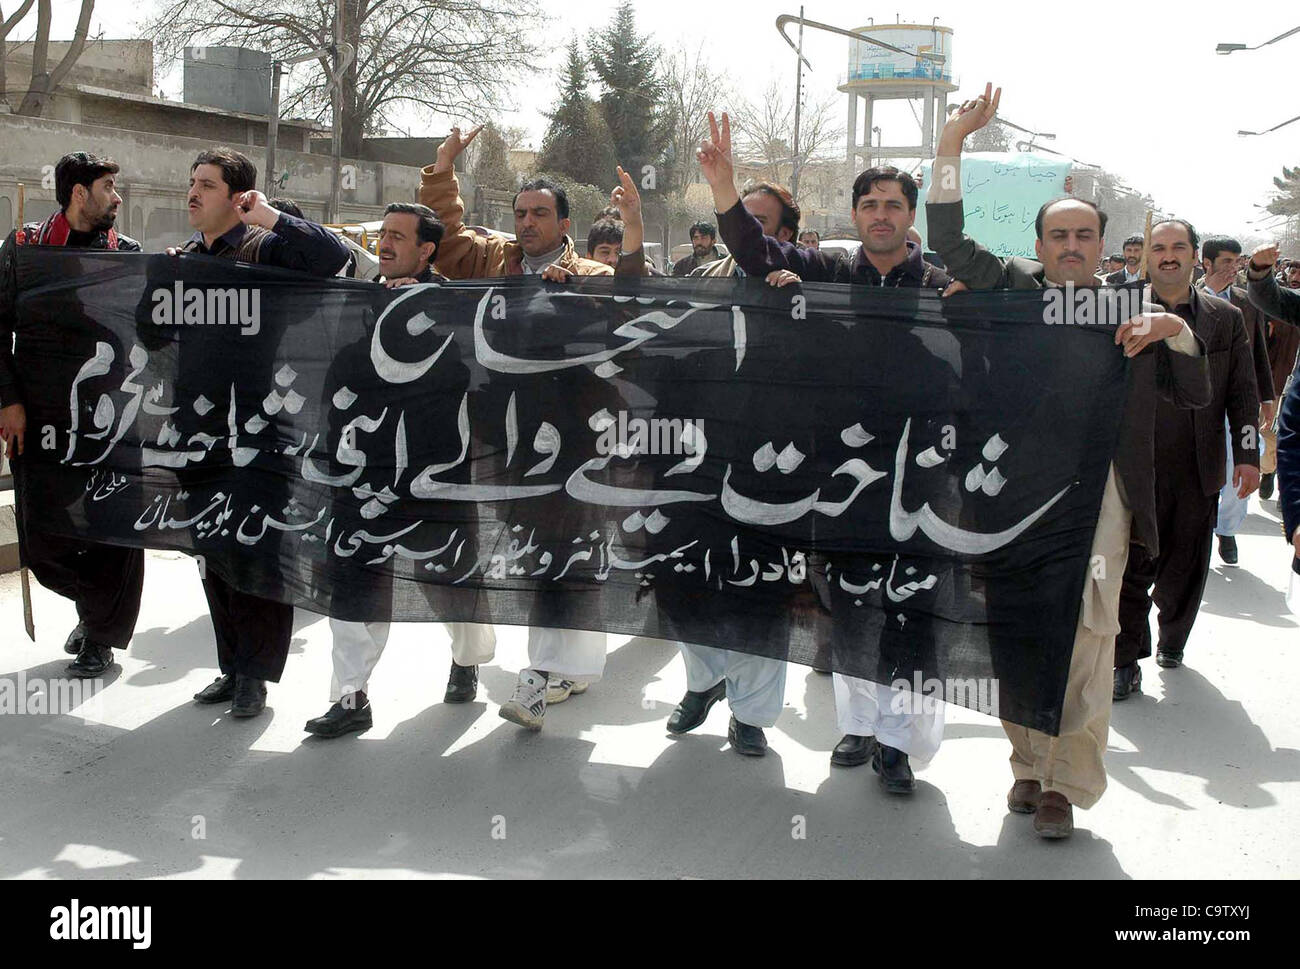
column 358, row 646
column 865, row 708
column 755, row 684
column 571, row 654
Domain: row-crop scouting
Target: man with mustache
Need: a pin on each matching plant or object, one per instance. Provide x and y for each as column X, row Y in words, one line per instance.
column 1128, row 272
column 1167, row 360
column 232, row 220
column 565, row 658
column 1283, row 349
column 407, row 247
column 105, row 581
column 1189, row 449
column 884, row 210
column 704, row 249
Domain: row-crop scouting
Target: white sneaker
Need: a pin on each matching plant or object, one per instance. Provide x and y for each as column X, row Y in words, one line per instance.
column 559, row 689
column 528, row 706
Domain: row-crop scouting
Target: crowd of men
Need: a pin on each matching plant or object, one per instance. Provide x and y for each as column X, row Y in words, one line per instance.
column 1209, row 365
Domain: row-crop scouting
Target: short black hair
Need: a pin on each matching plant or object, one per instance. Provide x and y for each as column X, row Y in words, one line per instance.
column 428, row 226
column 1042, row 212
column 1192, row 237
column 704, row 229
column 885, row 173
column 790, row 213
column 287, row 206
column 1135, row 240
column 79, row 168
column 1214, row 245
column 545, row 185
column 237, row 170
column 1115, row 257
column 604, row 232
column 811, row 232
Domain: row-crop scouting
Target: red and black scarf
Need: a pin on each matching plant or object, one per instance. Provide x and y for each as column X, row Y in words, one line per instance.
column 55, row 230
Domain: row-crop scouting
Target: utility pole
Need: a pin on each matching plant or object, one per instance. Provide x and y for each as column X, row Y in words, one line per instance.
column 273, row 127
column 336, row 141
column 798, row 103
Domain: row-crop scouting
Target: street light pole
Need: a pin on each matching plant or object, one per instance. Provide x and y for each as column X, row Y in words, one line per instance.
column 1245, row 134
column 798, row 101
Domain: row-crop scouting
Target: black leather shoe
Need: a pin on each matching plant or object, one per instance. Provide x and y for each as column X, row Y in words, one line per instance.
column 1266, row 486
column 218, row 691
column 462, row 685
column 1169, row 660
column 853, row 751
column 1228, row 549
column 92, row 660
column 894, row 770
column 76, row 639
column 250, row 696
column 694, row 708
column 1128, row 680
column 746, row 740
column 352, row 712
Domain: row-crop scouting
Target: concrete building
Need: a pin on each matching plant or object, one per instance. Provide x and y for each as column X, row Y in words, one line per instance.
column 108, row 106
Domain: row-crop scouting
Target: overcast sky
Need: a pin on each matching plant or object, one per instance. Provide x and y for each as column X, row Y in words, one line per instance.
column 1136, row 89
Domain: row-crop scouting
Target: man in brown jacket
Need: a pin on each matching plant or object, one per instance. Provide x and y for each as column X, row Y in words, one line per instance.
column 1166, row 359
column 570, row 659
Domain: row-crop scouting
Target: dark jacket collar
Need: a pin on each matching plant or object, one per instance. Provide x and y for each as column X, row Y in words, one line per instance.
column 909, row 272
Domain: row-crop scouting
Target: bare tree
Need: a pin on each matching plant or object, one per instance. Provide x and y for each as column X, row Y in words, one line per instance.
column 693, row 88
column 763, row 131
column 44, row 82
column 6, row 27
column 452, row 57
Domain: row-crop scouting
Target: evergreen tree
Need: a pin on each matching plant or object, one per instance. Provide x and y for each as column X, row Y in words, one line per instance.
column 628, row 66
column 577, row 142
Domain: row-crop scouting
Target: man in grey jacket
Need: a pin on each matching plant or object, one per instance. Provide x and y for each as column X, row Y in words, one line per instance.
column 1054, row 773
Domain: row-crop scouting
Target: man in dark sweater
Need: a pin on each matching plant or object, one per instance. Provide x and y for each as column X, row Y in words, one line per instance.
column 105, row 581
column 884, row 209
column 233, row 221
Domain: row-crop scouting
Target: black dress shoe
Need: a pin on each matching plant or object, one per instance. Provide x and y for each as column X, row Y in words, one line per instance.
column 1128, row 680
column 250, row 696
column 1228, row 549
column 218, row 691
column 462, row 685
column 1168, row 659
column 92, row 660
column 76, row 639
column 1266, row 486
column 746, row 740
column 352, row 712
column 853, row 751
column 894, row 770
column 694, row 708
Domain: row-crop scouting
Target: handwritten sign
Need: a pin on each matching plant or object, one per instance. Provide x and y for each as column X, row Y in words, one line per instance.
column 1003, row 192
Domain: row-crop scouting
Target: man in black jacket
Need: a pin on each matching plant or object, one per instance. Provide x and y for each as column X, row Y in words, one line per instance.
column 1054, row 773
column 1189, row 449
column 233, row 221
column 884, row 210
column 1282, row 305
column 105, row 581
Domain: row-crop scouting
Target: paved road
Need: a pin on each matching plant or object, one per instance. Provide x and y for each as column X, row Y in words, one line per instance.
column 1204, row 767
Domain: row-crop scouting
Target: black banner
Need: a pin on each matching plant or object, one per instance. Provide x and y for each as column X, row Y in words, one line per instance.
column 870, row 480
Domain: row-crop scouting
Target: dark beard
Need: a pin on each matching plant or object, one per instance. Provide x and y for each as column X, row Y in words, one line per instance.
column 104, row 222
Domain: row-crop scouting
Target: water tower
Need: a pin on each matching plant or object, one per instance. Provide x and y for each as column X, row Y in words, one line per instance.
column 919, row 66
